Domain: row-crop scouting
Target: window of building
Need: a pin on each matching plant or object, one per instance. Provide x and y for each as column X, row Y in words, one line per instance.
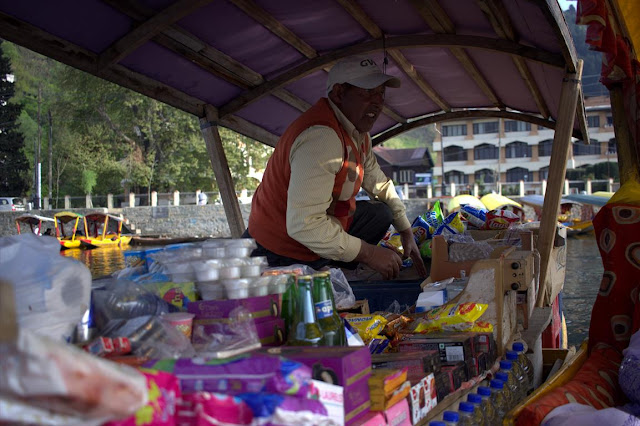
column 486, row 127
column 544, row 173
column 406, row 176
column 456, row 177
column 519, row 173
column 580, row 148
column 485, row 152
column 593, row 121
column 544, row 148
column 455, row 153
column 454, row 130
column 516, row 126
column 609, row 121
column 517, row 149
column 485, row 175
column 612, row 146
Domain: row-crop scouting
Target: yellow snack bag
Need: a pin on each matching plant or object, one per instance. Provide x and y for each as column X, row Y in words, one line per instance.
column 455, row 313
column 368, row 326
column 482, row 327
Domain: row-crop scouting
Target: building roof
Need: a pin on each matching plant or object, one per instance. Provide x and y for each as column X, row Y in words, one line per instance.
column 409, row 157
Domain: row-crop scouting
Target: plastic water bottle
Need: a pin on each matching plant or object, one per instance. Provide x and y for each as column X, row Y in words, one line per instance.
column 488, row 409
column 476, row 400
column 508, row 391
column 521, row 376
column 499, row 399
column 512, row 382
column 466, row 412
column 451, row 418
column 525, row 363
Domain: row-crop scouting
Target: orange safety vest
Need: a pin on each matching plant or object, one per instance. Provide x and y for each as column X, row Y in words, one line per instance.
column 268, row 220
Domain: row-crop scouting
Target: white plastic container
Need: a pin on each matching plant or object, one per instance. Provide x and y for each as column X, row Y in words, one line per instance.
column 207, row 269
column 230, row 269
column 260, row 286
column 211, row 291
column 181, row 272
column 241, row 247
column 237, row 288
column 214, row 249
column 253, row 266
column 278, row 283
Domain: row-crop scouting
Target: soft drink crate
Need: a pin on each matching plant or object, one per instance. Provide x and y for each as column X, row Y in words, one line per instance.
column 349, row 367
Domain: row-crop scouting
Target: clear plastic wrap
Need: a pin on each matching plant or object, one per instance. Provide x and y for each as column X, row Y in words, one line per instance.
column 342, row 292
column 226, row 338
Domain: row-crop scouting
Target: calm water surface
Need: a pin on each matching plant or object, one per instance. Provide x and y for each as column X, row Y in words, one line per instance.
column 584, row 271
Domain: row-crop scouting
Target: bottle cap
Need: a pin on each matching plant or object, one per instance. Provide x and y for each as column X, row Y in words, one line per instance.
column 518, row 347
column 502, row 376
column 437, row 423
column 512, row 356
column 475, row 398
column 506, row 365
column 450, row 416
column 497, row 384
column 484, row 391
column 466, row 407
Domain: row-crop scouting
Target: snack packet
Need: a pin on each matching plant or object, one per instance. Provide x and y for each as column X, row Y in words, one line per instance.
column 368, row 326
column 500, row 219
column 447, row 316
column 452, row 225
column 420, row 230
column 476, row 217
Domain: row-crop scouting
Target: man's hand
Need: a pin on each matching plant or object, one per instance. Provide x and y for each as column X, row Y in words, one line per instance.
column 385, row 261
column 411, row 250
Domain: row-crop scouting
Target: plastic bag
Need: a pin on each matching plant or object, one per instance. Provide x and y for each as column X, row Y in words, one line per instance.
column 63, row 379
column 226, row 338
column 52, row 292
column 342, row 292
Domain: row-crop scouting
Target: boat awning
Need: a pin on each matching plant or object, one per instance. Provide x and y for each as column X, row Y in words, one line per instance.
column 255, row 65
column 33, row 219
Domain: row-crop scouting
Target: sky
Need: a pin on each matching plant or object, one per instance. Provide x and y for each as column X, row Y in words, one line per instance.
column 564, row 4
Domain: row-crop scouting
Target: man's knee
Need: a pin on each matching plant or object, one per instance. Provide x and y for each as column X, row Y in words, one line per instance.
column 384, row 213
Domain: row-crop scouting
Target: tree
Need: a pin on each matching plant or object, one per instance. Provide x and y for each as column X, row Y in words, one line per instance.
column 14, row 174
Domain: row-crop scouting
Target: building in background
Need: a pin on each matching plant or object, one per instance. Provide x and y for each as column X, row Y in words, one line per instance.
column 409, row 165
column 487, row 150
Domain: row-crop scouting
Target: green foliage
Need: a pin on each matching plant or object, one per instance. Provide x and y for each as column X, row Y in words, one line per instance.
column 89, row 180
column 14, row 174
column 415, row 138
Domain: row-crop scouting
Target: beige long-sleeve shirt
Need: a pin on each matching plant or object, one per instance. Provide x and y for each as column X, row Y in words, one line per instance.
column 315, row 159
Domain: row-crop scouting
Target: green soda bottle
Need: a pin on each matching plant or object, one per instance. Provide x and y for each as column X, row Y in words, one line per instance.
column 326, row 313
column 289, row 304
column 305, row 330
column 499, row 399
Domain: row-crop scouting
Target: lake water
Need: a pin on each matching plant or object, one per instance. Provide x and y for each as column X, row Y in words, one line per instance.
column 583, row 275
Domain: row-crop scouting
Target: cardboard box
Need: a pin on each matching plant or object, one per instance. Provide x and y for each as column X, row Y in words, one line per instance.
column 332, row 397
column 349, row 367
column 373, row 418
column 416, row 361
column 398, row 414
column 271, row 333
column 451, row 347
column 443, row 387
column 262, row 308
column 456, row 375
column 422, row 397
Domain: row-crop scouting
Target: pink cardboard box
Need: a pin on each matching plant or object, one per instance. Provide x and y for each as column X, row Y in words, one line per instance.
column 349, row 367
column 398, row 414
column 271, row 333
column 373, row 418
column 262, row 308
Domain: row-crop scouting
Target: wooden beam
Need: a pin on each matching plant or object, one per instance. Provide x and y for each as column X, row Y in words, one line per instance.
column 464, row 114
column 399, row 42
column 273, row 25
column 372, row 28
column 145, row 31
column 438, row 20
column 244, row 127
column 495, row 11
column 208, row 58
column 557, row 172
column 628, row 160
column 221, row 171
column 581, row 116
column 551, row 10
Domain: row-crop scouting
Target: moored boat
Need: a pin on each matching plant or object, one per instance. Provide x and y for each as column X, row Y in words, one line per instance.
column 104, row 230
column 70, row 227
column 36, row 224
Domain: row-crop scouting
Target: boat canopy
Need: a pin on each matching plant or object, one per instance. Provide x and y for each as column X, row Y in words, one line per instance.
column 33, row 219
column 66, row 217
column 496, row 201
column 254, row 65
column 103, row 217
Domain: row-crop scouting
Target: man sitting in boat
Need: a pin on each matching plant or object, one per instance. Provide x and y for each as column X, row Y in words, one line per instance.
column 305, row 211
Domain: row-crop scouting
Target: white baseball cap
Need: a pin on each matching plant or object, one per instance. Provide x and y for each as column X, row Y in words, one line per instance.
column 360, row 72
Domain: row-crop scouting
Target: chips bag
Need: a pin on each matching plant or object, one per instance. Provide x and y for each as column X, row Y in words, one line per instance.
column 476, row 217
column 451, row 225
column 451, row 314
column 500, row 219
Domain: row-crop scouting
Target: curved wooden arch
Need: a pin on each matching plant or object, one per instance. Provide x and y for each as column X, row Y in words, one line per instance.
column 472, row 113
column 399, row 42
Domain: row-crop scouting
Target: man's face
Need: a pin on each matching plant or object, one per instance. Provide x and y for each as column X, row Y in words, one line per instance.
column 361, row 106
